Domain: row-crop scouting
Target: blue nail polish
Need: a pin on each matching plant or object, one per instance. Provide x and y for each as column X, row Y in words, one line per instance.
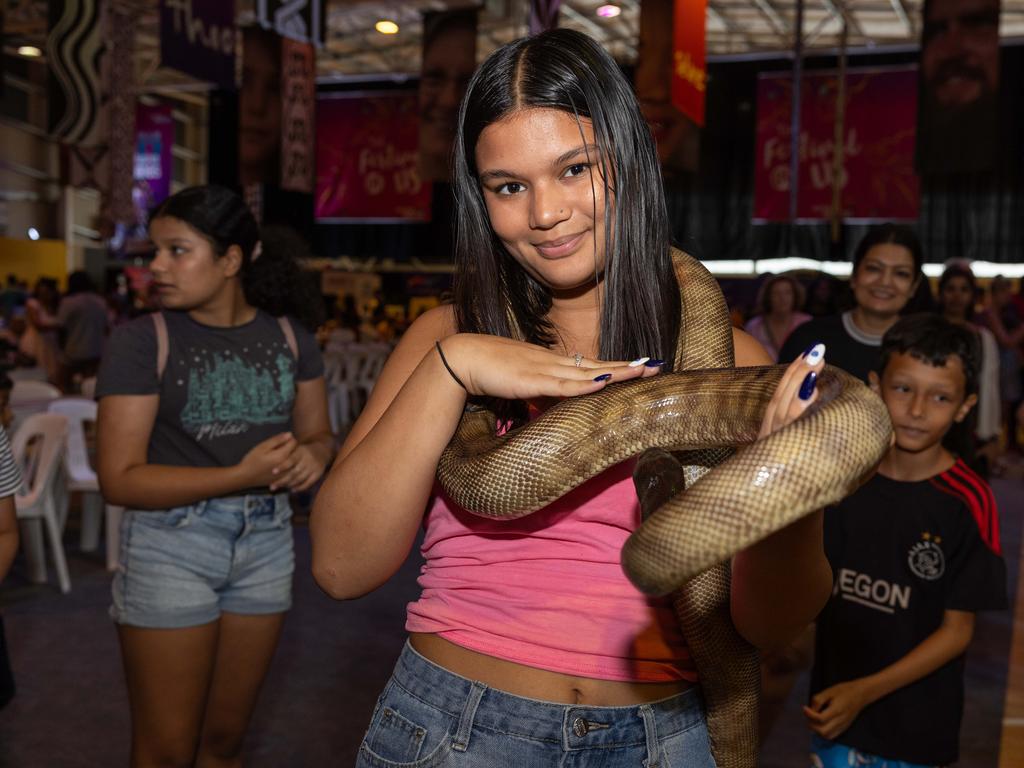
column 654, row 364
column 807, row 388
column 603, row 377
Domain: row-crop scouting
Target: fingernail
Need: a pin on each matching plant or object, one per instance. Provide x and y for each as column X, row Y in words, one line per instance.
column 814, row 355
column 603, row 377
column 654, row 363
column 638, row 362
column 807, row 388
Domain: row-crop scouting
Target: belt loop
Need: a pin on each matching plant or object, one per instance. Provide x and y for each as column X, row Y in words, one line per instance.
column 461, row 742
column 651, row 731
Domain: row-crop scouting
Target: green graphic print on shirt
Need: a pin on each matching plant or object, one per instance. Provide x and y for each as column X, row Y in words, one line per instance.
column 226, row 393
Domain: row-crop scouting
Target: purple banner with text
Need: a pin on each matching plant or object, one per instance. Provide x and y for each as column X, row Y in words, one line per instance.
column 198, row 38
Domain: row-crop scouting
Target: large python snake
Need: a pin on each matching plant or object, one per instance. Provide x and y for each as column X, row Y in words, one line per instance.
column 703, row 413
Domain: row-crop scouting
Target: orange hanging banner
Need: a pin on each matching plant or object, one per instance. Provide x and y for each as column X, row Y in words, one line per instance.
column 689, row 73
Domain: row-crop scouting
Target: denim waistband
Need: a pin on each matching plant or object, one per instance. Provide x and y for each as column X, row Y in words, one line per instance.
column 574, row 726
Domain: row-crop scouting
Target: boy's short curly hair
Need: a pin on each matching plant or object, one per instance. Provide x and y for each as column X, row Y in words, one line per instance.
column 932, row 339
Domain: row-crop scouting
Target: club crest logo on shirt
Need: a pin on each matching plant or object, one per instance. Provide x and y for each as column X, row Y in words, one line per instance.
column 925, row 558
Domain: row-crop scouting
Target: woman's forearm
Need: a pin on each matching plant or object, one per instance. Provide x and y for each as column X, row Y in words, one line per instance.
column 160, row 486
column 370, row 507
column 781, row 583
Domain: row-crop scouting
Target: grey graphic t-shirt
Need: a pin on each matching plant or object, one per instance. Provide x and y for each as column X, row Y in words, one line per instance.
column 224, row 389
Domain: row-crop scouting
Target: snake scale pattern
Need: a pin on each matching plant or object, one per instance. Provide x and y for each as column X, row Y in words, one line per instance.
column 707, row 414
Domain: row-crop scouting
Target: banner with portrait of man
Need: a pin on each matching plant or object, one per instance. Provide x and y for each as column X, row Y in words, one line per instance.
column 260, row 108
column 959, row 86
column 449, row 60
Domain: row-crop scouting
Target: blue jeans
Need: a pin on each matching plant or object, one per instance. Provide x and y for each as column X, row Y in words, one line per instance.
column 183, row 567
column 428, row 716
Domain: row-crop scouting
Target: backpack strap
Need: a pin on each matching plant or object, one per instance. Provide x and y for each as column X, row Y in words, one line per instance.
column 289, row 336
column 162, row 343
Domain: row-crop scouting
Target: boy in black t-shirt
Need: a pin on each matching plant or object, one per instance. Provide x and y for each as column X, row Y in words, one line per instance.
column 915, row 553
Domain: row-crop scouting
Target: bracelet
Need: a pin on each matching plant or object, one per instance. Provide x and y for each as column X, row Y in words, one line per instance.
column 437, row 345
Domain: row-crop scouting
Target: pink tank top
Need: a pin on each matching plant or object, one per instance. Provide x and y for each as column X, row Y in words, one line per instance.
column 547, row 590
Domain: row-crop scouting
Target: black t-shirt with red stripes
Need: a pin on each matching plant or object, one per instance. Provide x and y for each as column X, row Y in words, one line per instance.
column 902, row 554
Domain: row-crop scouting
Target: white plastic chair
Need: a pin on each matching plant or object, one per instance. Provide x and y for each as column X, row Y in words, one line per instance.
column 28, row 397
column 373, row 358
column 339, row 409
column 82, row 477
column 40, row 496
column 36, row 373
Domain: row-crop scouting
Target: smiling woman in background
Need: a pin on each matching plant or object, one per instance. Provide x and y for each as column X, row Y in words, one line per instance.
column 886, row 271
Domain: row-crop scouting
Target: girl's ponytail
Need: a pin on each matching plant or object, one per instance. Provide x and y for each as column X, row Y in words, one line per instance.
column 275, row 282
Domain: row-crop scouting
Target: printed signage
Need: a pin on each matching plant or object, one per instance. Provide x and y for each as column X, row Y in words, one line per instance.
column 199, row 39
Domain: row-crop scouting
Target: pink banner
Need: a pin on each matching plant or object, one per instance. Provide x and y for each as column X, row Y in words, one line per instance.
column 154, row 163
column 367, row 158
column 878, row 179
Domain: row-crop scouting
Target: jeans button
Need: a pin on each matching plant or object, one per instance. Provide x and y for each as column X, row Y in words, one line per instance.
column 579, row 727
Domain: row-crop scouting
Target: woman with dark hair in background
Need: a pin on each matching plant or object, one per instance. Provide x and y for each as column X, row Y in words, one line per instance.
column 38, row 344
column 778, row 306
column 1006, row 321
column 84, row 320
column 886, row 272
column 958, row 293
column 211, row 412
column 564, row 276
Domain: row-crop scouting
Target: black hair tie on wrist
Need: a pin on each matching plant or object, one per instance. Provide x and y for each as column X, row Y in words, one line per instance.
column 437, row 345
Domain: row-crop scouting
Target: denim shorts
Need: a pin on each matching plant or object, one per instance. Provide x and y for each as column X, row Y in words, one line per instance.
column 182, row 567
column 428, row 716
column 829, row 754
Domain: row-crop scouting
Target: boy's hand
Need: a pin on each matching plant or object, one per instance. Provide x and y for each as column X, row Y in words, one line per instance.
column 833, row 710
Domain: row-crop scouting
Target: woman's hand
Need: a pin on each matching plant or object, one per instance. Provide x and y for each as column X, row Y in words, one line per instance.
column 300, row 470
column 259, row 466
column 833, row 710
column 516, row 370
column 796, row 391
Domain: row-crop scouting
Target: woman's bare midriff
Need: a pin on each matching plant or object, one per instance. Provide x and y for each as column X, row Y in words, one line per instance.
column 533, row 683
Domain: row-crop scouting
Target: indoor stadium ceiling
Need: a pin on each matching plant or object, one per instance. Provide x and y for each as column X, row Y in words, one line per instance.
column 355, row 49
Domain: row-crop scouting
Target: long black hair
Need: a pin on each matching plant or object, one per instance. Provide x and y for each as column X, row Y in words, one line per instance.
column 273, row 281
column 566, row 70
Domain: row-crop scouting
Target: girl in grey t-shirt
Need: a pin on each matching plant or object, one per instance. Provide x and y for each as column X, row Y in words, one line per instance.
column 211, row 412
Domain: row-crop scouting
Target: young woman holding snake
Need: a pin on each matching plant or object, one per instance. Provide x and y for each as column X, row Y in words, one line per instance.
column 528, row 645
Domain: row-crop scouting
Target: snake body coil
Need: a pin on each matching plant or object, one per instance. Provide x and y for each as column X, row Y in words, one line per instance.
column 686, row 544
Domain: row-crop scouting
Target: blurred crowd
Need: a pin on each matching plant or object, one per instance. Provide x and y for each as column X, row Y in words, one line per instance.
column 60, row 336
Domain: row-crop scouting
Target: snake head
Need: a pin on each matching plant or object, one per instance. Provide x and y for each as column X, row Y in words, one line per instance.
column 657, row 476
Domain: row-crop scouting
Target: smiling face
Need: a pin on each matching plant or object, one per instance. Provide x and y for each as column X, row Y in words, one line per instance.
column 539, row 175
column 884, row 280
column 187, row 273
column 923, row 400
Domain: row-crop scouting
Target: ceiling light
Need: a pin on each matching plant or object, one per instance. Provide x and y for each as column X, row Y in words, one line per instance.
column 30, row 51
column 33, row 233
column 386, row 27
column 609, row 11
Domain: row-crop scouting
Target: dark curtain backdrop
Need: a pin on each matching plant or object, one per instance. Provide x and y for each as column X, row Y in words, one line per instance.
column 978, row 216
